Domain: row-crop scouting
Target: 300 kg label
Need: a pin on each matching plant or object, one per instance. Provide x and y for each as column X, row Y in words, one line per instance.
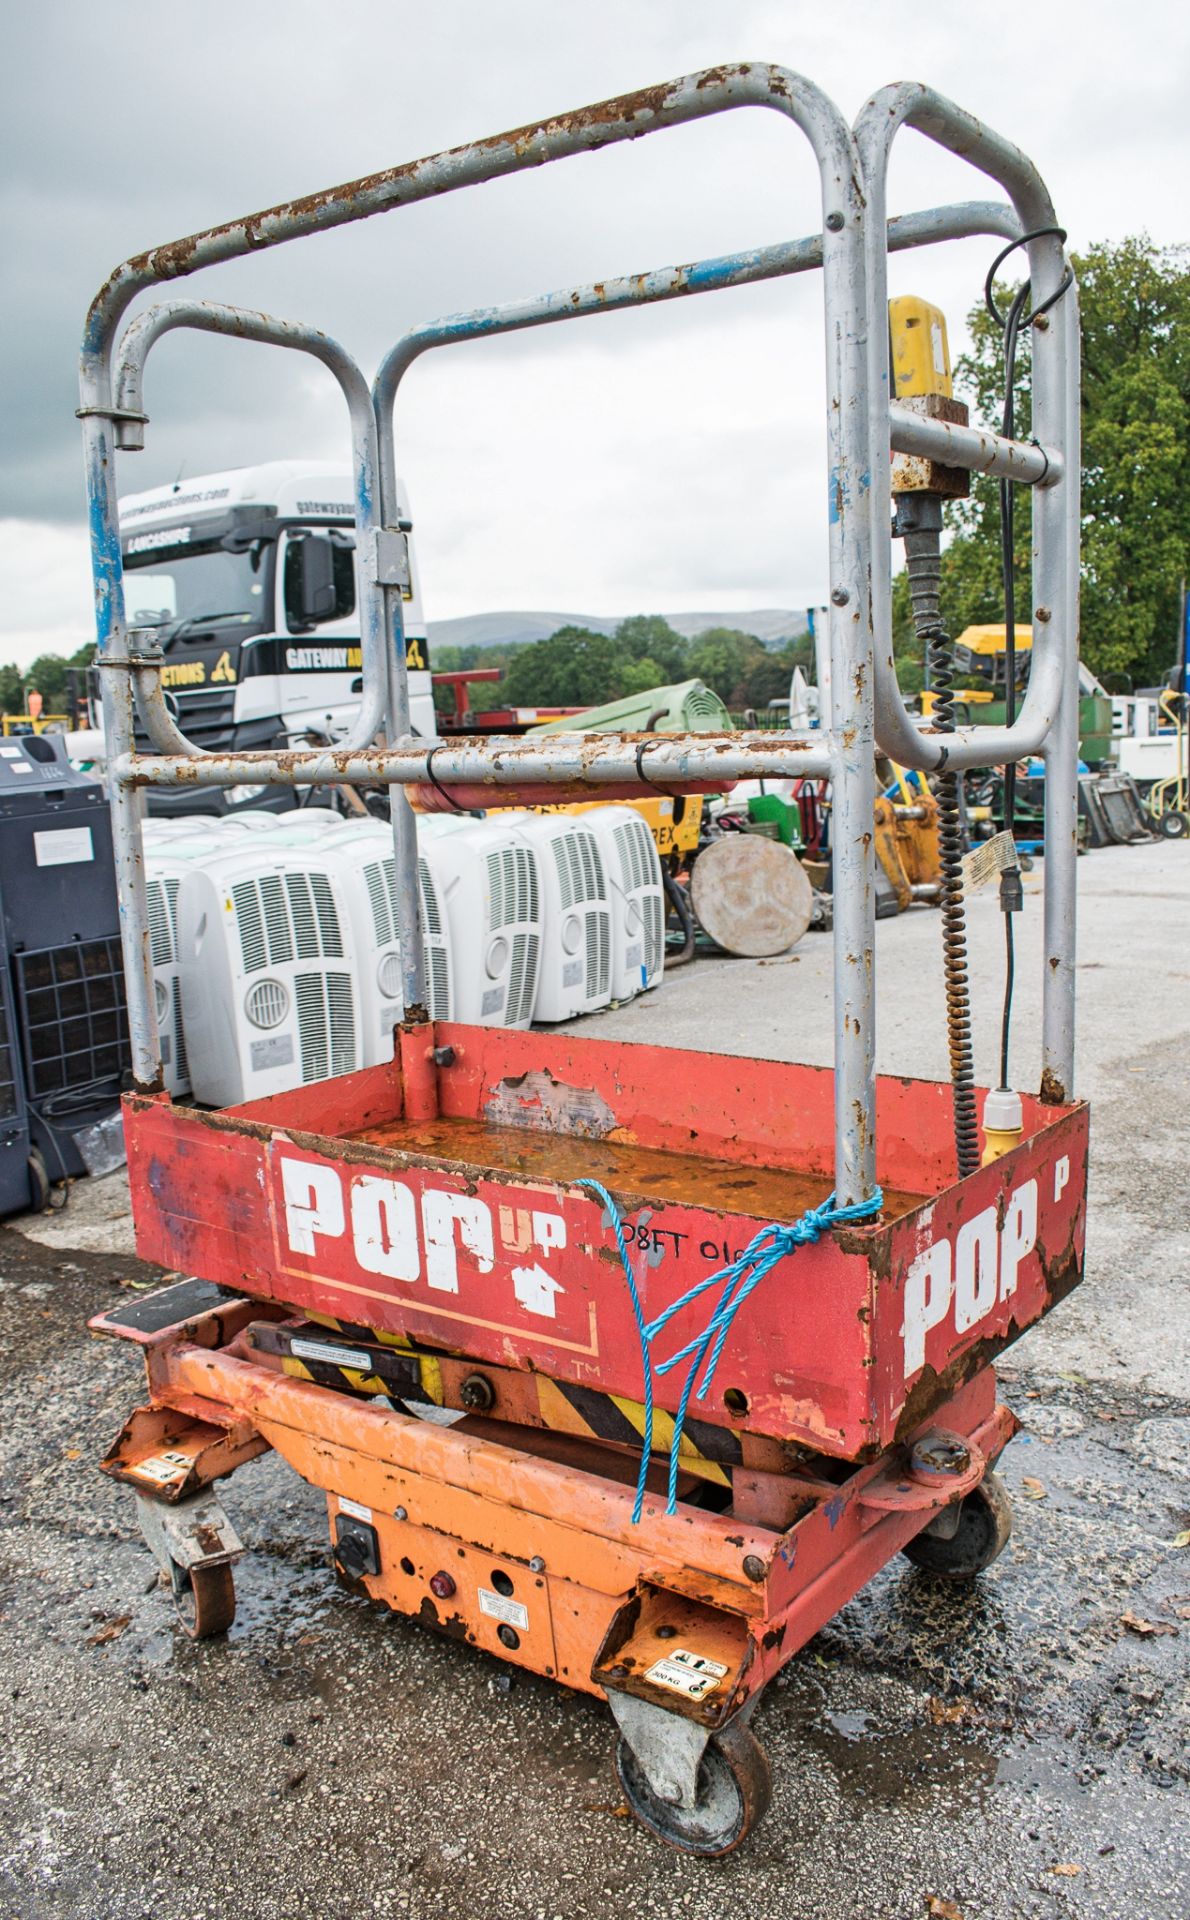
column 689, row 1673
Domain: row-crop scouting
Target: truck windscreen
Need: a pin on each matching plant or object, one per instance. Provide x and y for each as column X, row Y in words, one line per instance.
column 196, row 584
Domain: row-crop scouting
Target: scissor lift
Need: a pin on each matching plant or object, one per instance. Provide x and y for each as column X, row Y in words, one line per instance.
column 482, row 1228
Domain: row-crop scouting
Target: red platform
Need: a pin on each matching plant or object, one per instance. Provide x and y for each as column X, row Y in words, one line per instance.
column 466, row 1232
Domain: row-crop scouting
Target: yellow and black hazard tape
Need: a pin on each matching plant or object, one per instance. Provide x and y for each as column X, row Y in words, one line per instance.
column 360, row 1360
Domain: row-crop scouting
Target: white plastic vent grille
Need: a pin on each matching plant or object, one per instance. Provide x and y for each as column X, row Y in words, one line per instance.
column 438, row 966
column 161, row 944
column 512, row 887
column 634, row 845
column 654, row 934
column 522, row 978
column 326, row 1024
column 598, row 954
column 429, row 897
column 580, row 869
column 280, row 917
column 388, row 976
column 181, row 1062
column 267, row 1003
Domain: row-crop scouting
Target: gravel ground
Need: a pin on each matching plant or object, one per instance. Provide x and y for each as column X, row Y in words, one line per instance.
column 1016, row 1750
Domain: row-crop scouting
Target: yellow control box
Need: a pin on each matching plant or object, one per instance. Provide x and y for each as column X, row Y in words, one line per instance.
column 920, row 355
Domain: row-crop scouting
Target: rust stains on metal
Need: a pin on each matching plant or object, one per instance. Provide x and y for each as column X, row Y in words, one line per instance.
column 1053, row 1093
column 1061, row 1274
column 412, row 180
column 540, row 1103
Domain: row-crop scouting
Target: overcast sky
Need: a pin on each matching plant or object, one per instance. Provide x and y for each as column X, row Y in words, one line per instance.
column 649, row 461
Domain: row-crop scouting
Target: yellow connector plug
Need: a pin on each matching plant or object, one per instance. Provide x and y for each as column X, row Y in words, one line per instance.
column 1003, row 1124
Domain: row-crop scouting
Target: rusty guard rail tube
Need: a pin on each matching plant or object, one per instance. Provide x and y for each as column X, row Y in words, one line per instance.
column 650, row 110
column 139, row 338
column 1048, row 720
column 924, row 228
column 960, row 133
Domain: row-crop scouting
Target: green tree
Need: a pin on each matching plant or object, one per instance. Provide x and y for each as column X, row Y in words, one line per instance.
column 646, row 636
column 573, row 668
column 637, row 676
column 48, row 676
column 12, row 690
column 726, row 659
column 1135, row 301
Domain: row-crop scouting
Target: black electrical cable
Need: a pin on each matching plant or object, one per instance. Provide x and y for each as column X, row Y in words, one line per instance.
column 1011, row 897
column 82, row 1098
column 436, row 783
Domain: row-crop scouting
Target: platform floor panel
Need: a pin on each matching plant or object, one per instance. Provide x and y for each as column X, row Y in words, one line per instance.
column 625, row 1168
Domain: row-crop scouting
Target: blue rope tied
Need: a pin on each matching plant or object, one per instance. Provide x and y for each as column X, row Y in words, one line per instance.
column 763, row 1252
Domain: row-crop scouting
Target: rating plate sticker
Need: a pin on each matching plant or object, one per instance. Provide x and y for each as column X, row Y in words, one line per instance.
column 498, row 1607
column 688, row 1673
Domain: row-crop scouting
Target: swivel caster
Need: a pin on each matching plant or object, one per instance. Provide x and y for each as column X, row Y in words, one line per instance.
column 184, row 1536
column 964, row 1547
column 734, row 1787
column 204, row 1599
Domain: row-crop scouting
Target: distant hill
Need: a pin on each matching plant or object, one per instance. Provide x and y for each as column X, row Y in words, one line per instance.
column 770, row 625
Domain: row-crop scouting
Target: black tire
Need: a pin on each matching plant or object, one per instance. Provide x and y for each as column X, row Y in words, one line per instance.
column 39, row 1183
column 1174, row 825
column 983, row 1532
column 204, row 1599
column 734, row 1790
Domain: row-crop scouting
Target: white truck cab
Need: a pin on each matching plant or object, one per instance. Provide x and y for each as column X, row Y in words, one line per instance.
column 248, row 580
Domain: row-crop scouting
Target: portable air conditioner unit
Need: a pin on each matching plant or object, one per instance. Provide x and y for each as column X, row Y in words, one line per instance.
column 158, row 829
column 268, row 968
column 487, row 880
column 688, row 707
column 165, row 865
column 574, row 975
column 301, row 825
column 237, row 826
column 364, row 865
column 637, row 898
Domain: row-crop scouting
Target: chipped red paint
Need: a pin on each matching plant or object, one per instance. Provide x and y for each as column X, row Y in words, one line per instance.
column 476, row 1238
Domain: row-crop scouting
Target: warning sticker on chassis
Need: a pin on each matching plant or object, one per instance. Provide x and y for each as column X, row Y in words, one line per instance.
column 688, row 1673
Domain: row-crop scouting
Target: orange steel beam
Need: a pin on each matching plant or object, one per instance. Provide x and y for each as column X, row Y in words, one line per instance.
column 318, row 1430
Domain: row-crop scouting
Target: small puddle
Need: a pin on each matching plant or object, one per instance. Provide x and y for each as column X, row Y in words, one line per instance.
column 906, row 1767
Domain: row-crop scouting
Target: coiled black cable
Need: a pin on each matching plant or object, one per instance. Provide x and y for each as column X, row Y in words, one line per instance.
column 1010, row 324
column 920, row 521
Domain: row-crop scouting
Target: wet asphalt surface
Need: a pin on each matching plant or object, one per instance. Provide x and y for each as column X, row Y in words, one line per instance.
column 1020, row 1747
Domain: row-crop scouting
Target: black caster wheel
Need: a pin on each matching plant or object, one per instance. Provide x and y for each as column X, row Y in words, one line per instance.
column 734, row 1790
column 985, row 1525
column 204, row 1599
column 1174, row 825
column 39, row 1183
column 45, row 1195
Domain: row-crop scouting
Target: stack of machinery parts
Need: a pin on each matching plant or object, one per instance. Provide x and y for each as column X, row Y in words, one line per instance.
column 719, row 1331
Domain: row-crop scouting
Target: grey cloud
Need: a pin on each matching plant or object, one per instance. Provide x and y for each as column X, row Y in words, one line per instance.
column 129, row 125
